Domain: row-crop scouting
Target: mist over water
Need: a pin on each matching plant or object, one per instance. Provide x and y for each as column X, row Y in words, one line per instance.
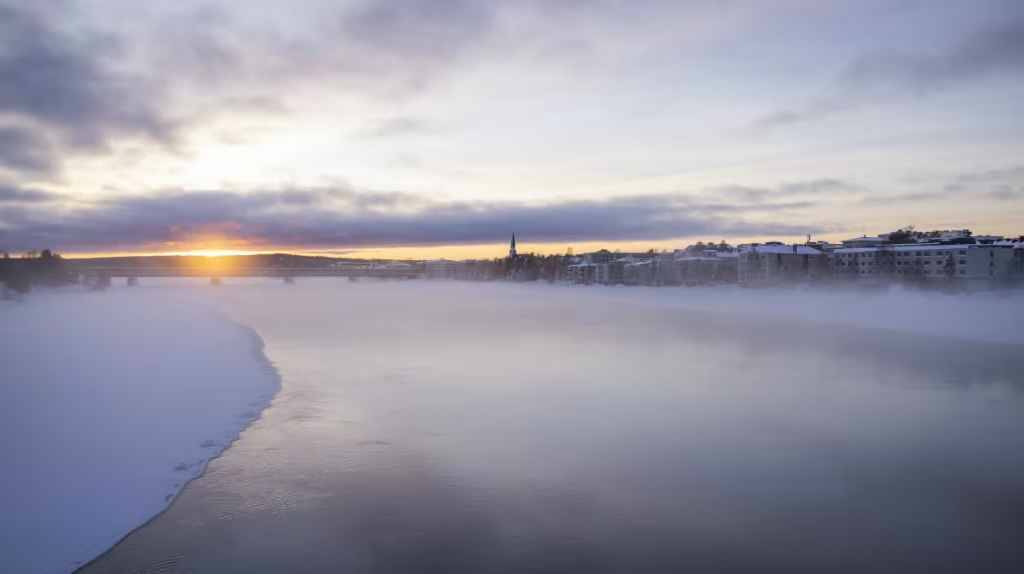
column 443, row 427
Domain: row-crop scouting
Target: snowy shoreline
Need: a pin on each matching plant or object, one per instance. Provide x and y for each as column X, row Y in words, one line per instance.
column 114, row 402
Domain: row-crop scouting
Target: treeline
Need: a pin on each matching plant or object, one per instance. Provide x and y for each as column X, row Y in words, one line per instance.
column 43, row 268
column 531, row 267
column 526, row 267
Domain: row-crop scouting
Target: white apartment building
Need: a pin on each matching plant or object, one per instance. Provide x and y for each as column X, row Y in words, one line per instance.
column 1017, row 246
column 968, row 262
column 775, row 262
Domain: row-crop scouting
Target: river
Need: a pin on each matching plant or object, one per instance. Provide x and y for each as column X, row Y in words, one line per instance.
column 453, row 428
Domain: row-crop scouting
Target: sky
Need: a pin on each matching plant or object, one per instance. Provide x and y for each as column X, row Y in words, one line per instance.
column 428, row 128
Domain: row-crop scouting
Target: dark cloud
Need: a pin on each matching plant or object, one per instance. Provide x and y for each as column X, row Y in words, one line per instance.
column 910, row 196
column 1006, row 192
column 341, row 218
column 817, row 109
column 999, row 184
column 423, row 31
column 26, row 151
column 392, row 50
column 818, row 186
column 993, row 51
column 742, row 193
column 67, row 84
column 201, row 45
column 807, row 189
column 1002, row 175
column 12, row 194
column 1004, row 184
column 376, row 50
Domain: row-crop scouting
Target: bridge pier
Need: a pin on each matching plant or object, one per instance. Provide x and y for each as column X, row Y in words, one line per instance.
column 98, row 281
column 131, row 281
column 215, row 281
column 288, row 279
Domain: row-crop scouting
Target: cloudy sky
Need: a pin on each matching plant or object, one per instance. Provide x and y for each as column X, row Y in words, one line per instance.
column 439, row 127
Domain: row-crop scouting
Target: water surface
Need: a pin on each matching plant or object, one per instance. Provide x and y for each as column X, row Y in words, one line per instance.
column 494, row 428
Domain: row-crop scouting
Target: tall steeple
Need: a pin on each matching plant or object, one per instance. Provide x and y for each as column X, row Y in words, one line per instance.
column 512, row 248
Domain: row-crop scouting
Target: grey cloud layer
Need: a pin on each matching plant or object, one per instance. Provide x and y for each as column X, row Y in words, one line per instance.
column 1001, row 185
column 26, row 151
column 996, row 50
column 802, row 189
column 77, row 82
column 13, row 194
column 66, row 85
column 70, row 87
column 1006, row 184
column 343, row 218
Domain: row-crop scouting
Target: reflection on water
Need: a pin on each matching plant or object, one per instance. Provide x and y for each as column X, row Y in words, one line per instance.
column 452, row 428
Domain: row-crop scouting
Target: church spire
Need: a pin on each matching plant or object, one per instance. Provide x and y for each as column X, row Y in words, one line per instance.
column 512, row 247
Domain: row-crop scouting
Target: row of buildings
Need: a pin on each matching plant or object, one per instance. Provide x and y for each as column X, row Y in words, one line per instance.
column 951, row 257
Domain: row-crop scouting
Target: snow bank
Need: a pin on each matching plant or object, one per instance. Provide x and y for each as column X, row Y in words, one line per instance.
column 110, row 403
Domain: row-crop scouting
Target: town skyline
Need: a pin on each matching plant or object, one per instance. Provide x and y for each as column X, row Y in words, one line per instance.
column 499, row 250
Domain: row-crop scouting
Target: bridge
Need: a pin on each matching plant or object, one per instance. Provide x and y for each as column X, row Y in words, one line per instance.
column 103, row 274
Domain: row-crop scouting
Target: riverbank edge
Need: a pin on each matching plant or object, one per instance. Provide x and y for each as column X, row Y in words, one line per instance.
column 257, row 348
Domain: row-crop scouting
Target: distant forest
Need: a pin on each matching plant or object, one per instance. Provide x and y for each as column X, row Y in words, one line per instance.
column 20, row 274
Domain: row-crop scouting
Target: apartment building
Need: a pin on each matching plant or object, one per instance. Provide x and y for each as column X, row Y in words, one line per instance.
column 965, row 262
column 1017, row 259
column 775, row 263
column 711, row 266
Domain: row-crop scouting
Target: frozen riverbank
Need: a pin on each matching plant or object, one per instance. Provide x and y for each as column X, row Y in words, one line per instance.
column 109, row 404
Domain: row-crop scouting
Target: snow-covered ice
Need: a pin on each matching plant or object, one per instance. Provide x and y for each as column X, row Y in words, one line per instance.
column 109, row 404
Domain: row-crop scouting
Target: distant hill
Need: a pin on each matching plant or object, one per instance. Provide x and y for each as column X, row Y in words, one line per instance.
column 266, row 260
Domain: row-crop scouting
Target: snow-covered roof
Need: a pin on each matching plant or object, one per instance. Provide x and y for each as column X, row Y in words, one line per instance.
column 936, row 247
column 783, row 249
column 875, row 239
column 708, row 256
column 701, row 258
column 922, row 247
column 845, row 250
column 1014, row 243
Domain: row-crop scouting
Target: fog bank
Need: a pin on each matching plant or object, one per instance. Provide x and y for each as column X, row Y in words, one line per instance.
column 995, row 316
